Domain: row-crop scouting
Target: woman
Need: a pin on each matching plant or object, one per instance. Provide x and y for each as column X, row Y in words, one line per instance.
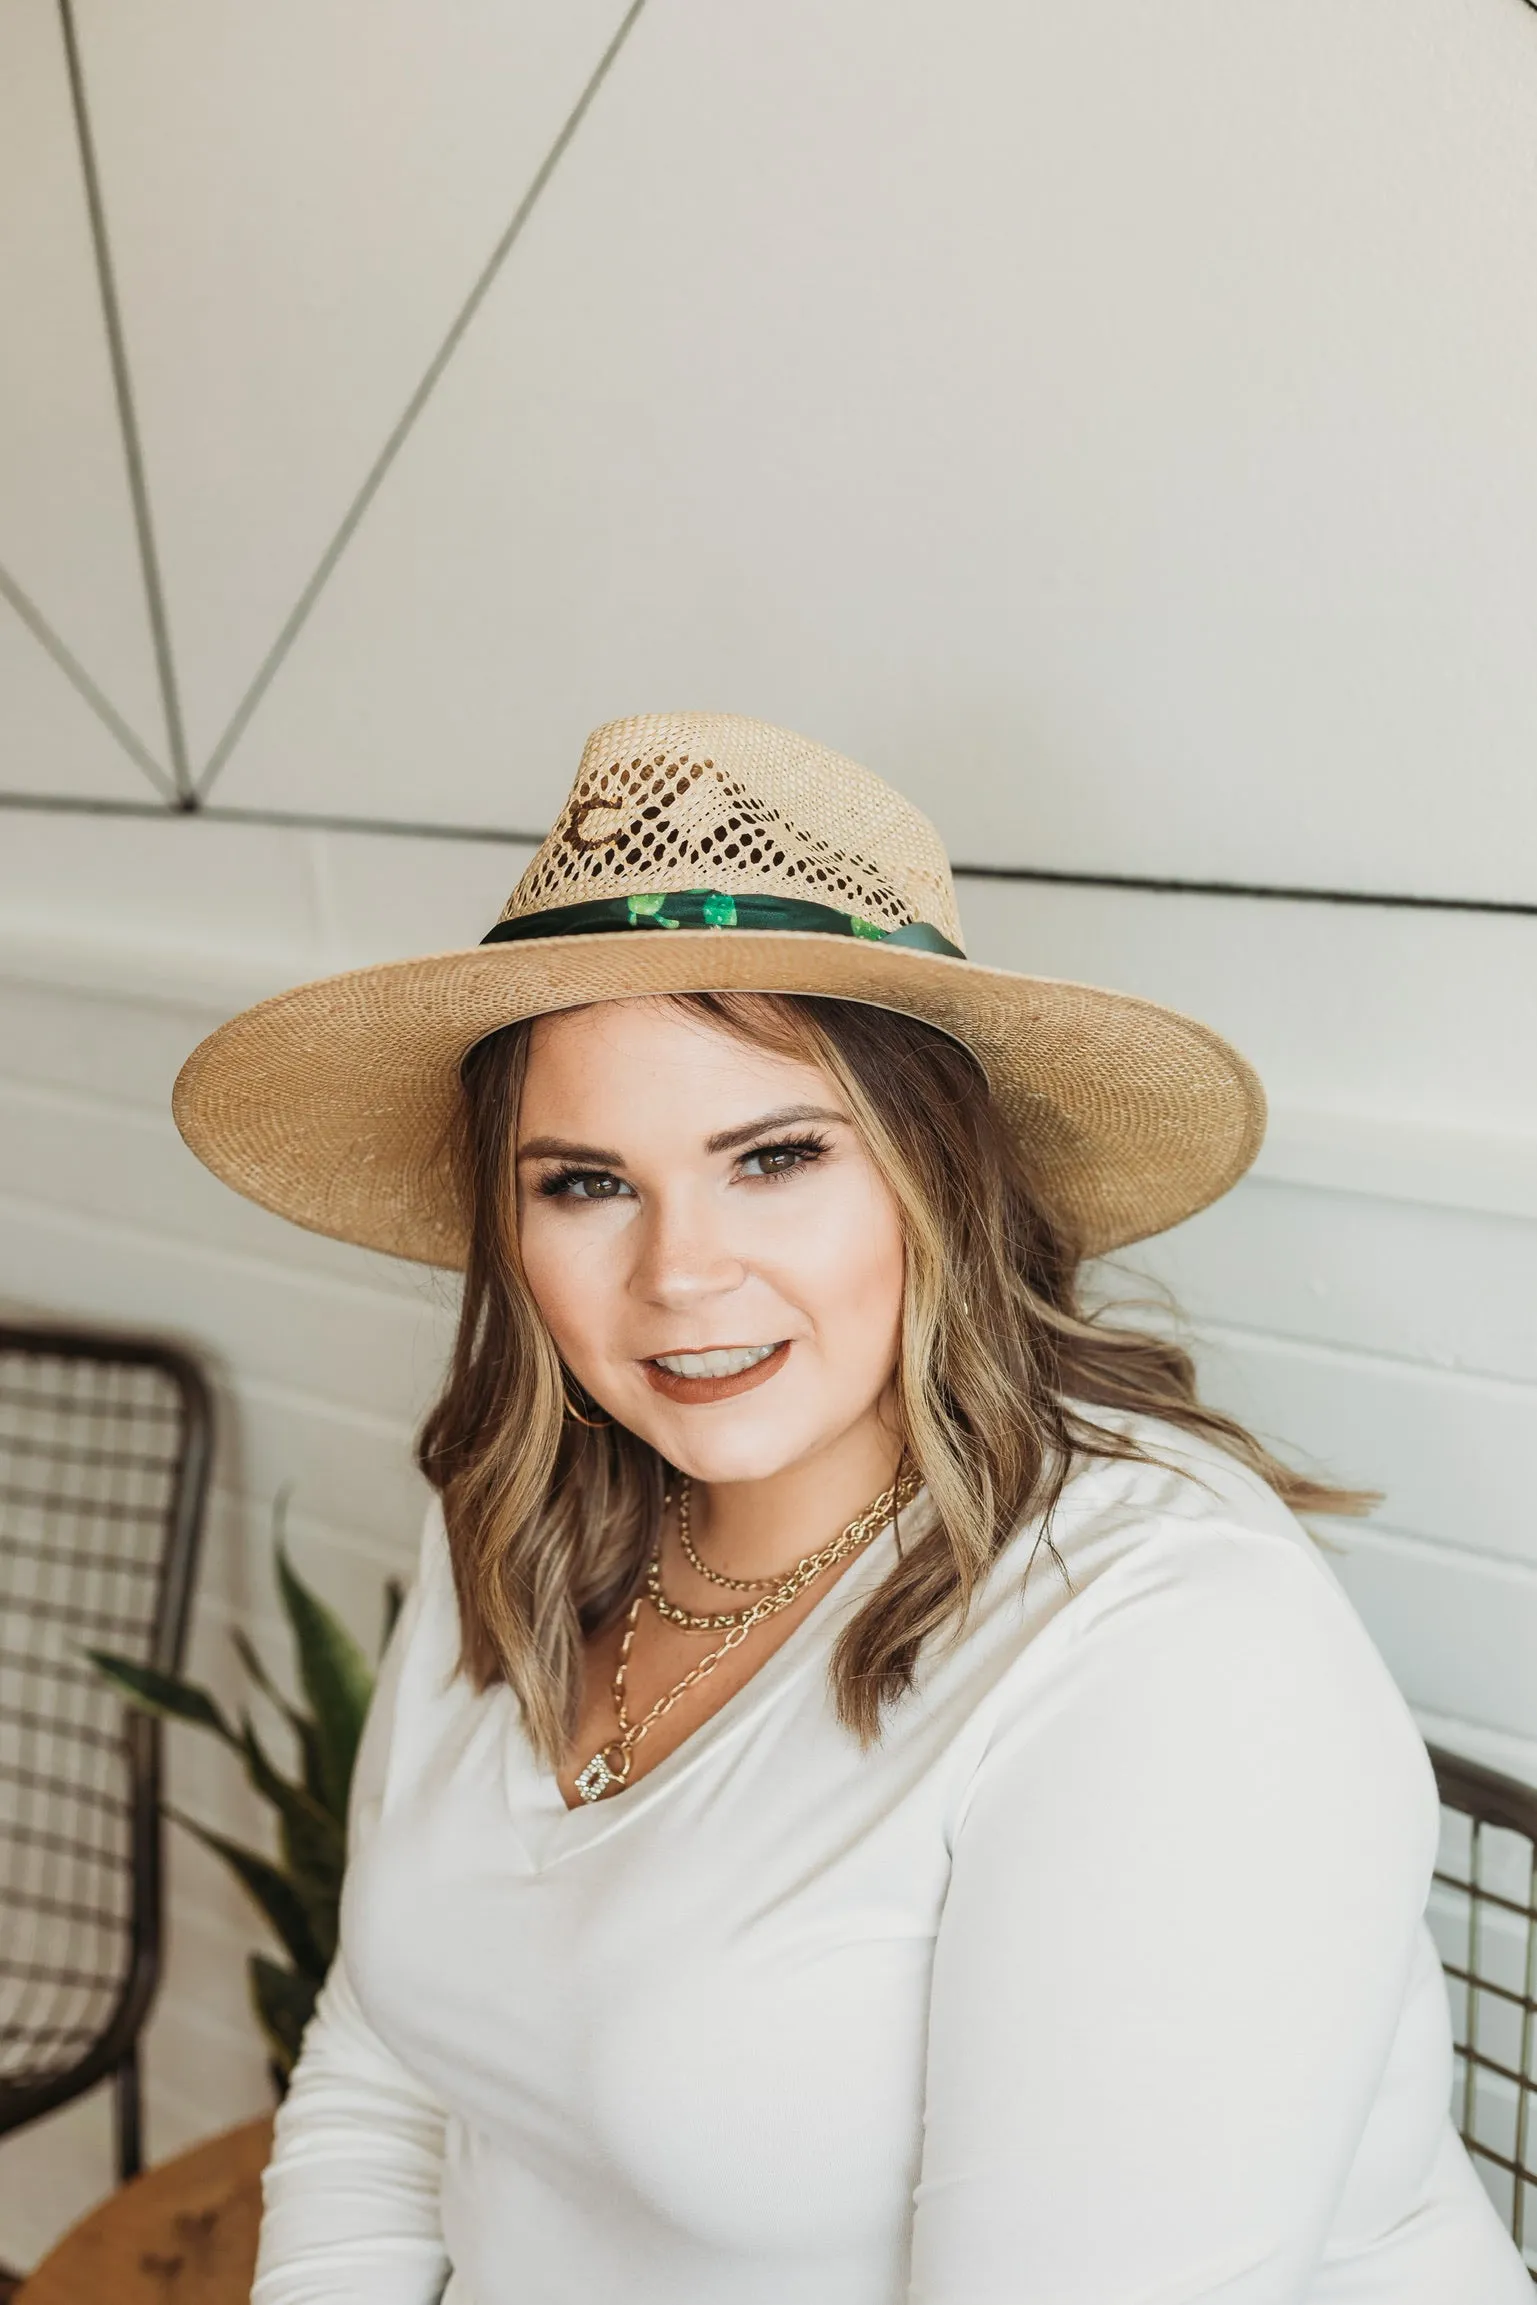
column 874, row 1796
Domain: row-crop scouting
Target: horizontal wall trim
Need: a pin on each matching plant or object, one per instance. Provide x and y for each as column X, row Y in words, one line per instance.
column 359, row 1296
column 1464, row 1560
column 1388, row 899
column 1513, row 1755
column 374, row 1338
column 283, row 819
column 1489, row 1171
column 292, row 1400
column 1350, row 1359
column 306, row 1534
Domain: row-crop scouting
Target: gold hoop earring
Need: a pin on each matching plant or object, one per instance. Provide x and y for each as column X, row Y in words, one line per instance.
column 593, row 1424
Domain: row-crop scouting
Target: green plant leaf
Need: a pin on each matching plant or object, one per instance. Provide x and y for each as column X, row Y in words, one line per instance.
column 300, row 1723
column 274, row 1897
column 318, row 1840
column 394, row 1602
column 284, row 2003
column 337, row 1678
column 162, row 1693
column 314, row 1844
column 250, row 1656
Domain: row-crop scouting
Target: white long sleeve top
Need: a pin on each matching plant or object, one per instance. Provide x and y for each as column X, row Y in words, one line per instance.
column 1102, row 1979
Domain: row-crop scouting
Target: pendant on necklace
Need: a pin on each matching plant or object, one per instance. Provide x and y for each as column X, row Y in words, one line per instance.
column 594, row 1781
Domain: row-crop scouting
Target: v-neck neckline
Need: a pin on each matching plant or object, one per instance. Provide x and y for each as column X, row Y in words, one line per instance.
column 551, row 1829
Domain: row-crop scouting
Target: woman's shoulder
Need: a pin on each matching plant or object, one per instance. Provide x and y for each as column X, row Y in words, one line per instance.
column 1175, row 1477
column 1177, row 1523
column 419, row 1673
column 429, row 1616
column 1179, row 1507
column 1179, row 1589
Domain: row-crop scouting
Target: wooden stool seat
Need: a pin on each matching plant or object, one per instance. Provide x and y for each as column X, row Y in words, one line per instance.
column 182, row 2234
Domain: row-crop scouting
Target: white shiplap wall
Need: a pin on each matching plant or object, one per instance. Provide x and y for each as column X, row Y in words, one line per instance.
column 1111, row 424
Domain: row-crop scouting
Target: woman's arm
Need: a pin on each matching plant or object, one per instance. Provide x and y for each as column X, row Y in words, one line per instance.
column 1180, row 1923
column 350, row 2194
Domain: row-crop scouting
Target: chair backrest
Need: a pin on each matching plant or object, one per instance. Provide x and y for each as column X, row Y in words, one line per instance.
column 1484, row 1914
column 104, row 1456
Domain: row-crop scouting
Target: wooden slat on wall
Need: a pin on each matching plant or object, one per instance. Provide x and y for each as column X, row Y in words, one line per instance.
column 1412, row 1281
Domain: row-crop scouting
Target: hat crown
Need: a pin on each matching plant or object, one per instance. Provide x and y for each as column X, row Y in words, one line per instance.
column 672, row 801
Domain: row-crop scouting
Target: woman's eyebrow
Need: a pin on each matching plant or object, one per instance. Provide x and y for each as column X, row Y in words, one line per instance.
column 554, row 1148
column 547, row 1148
column 729, row 1138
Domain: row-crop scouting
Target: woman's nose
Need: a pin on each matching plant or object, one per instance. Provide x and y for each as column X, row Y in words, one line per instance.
column 685, row 1252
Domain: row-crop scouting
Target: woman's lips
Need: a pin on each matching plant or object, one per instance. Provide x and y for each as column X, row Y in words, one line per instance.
column 700, row 1390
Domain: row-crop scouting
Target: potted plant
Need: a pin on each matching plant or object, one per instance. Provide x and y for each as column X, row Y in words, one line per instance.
column 299, row 1893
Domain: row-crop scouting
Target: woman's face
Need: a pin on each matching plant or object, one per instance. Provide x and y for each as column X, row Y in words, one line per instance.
column 713, row 1251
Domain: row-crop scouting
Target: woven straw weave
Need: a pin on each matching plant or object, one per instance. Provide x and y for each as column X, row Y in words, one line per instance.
column 333, row 1103
column 710, row 800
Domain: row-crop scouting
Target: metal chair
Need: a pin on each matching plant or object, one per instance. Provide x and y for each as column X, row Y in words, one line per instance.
column 1484, row 1915
column 105, row 1444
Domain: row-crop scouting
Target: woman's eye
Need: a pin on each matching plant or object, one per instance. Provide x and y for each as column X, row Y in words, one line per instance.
column 778, row 1160
column 583, row 1185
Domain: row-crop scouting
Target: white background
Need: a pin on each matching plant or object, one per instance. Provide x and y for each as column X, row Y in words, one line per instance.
column 1112, row 423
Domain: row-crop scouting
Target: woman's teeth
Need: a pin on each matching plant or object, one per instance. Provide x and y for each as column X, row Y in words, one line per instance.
column 726, row 1362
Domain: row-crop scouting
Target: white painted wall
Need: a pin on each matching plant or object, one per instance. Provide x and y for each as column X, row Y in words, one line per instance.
column 1111, row 423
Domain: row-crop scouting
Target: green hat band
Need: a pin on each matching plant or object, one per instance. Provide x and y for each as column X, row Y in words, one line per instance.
column 712, row 908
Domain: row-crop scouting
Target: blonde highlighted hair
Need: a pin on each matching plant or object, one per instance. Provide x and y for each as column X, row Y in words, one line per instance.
column 550, row 1522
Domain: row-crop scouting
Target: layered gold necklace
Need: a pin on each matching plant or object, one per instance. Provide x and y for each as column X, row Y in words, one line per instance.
column 609, row 1767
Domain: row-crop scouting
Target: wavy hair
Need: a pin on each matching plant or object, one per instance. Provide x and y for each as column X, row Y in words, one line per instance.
column 550, row 1521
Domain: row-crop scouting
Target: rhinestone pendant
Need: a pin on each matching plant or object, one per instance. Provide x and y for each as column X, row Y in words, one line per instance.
column 594, row 1781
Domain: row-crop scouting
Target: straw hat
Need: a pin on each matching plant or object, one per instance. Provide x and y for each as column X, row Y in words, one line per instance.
column 704, row 852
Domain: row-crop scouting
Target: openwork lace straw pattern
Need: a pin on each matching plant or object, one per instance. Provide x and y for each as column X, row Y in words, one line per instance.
column 332, row 1103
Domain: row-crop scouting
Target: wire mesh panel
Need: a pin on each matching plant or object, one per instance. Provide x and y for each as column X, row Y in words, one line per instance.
column 103, row 1448
column 1483, row 1913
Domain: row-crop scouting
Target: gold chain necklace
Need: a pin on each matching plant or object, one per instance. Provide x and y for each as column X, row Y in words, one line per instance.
column 721, row 1620
column 610, row 1765
column 685, row 1539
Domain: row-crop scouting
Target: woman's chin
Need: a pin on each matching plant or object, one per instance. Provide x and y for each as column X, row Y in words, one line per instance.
column 723, row 1457
column 732, row 1440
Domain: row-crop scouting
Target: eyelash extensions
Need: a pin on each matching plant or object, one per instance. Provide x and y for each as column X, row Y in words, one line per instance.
column 557, row 1185
column 810, row 1148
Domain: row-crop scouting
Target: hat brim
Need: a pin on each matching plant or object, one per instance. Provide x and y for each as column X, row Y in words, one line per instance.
column 332, row 1103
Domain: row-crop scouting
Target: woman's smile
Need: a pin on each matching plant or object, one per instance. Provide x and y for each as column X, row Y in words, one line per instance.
column 715, row 1374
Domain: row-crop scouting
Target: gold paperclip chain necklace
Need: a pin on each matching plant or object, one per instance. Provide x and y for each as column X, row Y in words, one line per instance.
column 610, row 1765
